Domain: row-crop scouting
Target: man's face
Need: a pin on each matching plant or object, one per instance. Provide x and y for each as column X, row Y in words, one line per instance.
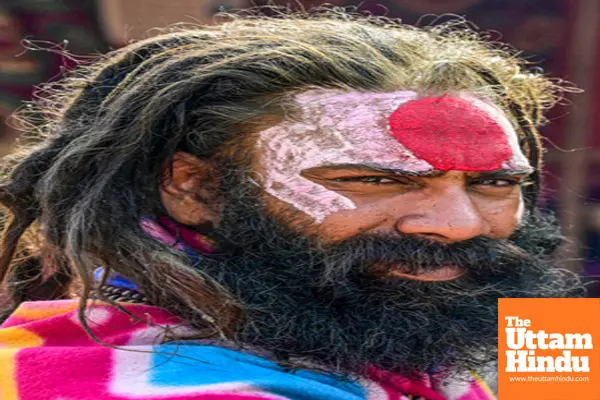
column 381, row 231
column 447, row 168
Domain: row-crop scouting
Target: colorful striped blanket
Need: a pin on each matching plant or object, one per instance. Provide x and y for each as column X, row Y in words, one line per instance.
column 45, row 354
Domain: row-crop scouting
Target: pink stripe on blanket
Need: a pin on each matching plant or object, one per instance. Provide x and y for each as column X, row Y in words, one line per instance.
column 86, row 374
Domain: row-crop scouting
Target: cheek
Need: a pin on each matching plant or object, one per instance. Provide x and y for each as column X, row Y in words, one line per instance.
column 338, row 225
column 502, row 215
column 289, row 215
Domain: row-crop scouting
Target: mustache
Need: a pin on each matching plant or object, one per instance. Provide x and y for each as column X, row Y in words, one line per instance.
column 368, row 254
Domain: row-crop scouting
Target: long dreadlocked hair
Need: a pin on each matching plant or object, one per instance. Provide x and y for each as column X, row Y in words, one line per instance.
column 74, row 197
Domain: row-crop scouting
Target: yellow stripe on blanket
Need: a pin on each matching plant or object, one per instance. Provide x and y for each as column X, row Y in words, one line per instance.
column 8, row 380
column 483, row 385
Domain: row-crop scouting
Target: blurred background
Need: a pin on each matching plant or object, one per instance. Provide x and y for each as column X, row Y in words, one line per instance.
column 559, row 36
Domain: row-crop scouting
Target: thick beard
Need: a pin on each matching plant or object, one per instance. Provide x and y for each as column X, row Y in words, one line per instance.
column 323, row 307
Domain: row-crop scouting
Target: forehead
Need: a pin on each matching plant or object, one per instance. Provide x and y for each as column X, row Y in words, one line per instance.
column 399, row 130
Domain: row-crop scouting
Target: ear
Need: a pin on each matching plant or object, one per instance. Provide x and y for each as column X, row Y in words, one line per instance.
column 188, row 190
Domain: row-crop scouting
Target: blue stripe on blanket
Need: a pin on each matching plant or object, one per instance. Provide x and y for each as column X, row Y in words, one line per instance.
column 209, row 365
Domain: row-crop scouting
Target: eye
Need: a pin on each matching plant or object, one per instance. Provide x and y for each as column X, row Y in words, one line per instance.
column 498, row 183
column 373, row 180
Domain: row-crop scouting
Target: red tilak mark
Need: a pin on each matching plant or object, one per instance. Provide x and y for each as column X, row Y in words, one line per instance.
column 450, row 133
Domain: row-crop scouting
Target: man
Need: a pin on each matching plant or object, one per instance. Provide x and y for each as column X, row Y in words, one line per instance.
column 311, row 207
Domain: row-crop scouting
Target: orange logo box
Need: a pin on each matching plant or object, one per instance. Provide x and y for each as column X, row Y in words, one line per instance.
column 549, row 349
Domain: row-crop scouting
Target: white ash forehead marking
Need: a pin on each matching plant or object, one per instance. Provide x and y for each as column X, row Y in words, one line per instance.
column 337, row 127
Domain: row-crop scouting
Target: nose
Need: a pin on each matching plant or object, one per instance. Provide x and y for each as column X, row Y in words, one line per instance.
column 448, row 216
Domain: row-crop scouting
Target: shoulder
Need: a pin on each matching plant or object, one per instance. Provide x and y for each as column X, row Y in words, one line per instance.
column 58, row 323
column 210, row 370
column 55, row 356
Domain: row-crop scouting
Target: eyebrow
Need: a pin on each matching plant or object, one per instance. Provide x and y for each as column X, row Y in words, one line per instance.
column 498, row 173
